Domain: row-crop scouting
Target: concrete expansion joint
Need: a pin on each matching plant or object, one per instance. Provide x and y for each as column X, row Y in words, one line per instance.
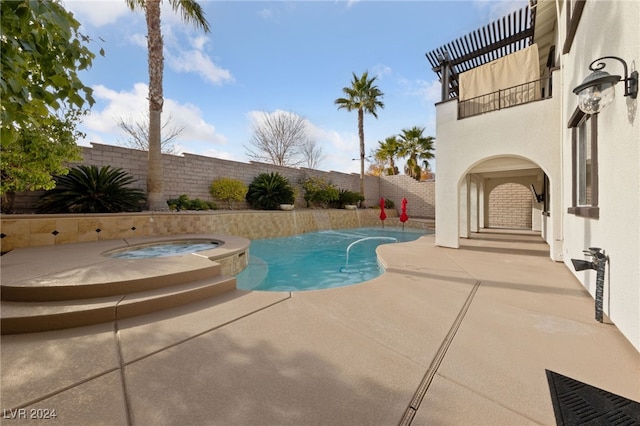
column 209, row 330
column 123, row 380
column 418, row 396
column 59, row 391
column 495, row 401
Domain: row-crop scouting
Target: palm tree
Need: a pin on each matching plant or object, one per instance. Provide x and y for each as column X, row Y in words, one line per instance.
column 417, row 147
column 386, row 152
column 191, row 12
column 363, row 96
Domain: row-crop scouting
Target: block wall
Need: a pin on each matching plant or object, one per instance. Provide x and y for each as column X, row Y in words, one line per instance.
column 192, row 174
column 510, row 206
column 421, row 196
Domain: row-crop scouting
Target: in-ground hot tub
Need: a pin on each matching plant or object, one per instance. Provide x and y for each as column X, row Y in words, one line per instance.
column 163, row 249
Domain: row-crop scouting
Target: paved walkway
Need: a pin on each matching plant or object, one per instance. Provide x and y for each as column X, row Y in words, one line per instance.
column 443, row 337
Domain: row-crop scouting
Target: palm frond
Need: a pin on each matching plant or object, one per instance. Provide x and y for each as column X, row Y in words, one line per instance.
column 191, row 13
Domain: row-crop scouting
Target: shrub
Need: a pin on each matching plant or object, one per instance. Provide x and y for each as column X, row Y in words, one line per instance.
column 348, row 197
column 184, row 203
column 389, row 204
column 318, row 191
column 89, row 189
column 229, row 190
column 269, row 190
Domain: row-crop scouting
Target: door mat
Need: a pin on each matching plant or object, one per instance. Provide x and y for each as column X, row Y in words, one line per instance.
column 577, row 403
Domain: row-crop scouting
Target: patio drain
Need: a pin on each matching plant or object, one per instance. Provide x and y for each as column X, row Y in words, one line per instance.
column 407, row 418
column 577, row 403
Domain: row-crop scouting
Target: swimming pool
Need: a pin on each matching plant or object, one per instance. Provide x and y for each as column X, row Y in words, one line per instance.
column 318, row 260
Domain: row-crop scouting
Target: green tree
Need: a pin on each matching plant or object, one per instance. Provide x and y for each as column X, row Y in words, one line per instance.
column 365, row 97
column 387, row 152
column 42, row 96
column 418, row 148
column 191, row 13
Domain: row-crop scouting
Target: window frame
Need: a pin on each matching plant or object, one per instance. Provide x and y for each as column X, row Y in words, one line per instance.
column 573, row 14
column 590, row 122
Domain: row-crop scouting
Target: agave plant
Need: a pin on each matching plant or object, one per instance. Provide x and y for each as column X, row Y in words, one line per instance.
column 269, row 190
column 89, row 189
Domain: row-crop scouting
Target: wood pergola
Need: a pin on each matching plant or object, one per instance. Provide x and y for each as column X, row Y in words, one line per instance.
column 495, row 40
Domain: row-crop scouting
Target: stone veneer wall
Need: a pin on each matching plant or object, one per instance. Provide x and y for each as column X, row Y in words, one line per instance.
column 510, row 206
column 46, row 230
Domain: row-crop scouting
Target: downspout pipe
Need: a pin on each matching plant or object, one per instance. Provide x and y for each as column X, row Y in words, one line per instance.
column 598, row 262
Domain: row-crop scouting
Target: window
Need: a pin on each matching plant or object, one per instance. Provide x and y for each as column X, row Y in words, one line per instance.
column 584, row 160
column 573, row 13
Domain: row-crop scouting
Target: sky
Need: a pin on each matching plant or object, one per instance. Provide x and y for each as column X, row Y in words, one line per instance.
column 270, row 56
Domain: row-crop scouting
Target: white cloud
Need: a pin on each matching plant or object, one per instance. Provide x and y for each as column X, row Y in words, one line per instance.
column 495, row 9
column 352, row 2
column 97, row 13
column 139, row 39
column 380, row 70
column 430, row 91
column 102, row 125
column 266, row 14
column 194, row 60
column 427, row 90
column 339, row 148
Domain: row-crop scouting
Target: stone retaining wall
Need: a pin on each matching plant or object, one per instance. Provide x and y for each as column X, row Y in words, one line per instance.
column 44, row 230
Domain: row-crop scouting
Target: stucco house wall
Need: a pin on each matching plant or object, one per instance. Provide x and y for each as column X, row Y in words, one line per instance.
column 463, row 144
column 617, row 230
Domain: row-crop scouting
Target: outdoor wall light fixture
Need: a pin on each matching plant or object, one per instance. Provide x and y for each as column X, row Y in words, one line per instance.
column 597, row 90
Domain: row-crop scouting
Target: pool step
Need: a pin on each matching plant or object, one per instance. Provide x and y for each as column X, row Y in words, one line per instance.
column 114, row 278
column 28, row 317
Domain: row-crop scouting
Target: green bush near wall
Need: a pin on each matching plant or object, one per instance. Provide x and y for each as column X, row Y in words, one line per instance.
column 268, row 191
column 319, row 192
column 229, row 190
column 183, row 202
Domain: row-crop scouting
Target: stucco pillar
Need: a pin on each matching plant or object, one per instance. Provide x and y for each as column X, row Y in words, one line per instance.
column 556, row 243
column 465, row 202
column 481, row 204
column 447, row 208
column 473, row 204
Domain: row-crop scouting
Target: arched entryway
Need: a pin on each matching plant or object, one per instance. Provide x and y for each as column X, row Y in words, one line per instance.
column 507, row 193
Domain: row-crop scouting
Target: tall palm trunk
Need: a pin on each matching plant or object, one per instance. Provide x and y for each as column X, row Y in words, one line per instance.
column 155, row 184
column 361, row 134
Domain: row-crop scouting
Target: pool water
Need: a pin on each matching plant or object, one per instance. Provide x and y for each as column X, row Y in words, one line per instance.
column 318, row 260
column 164, row 249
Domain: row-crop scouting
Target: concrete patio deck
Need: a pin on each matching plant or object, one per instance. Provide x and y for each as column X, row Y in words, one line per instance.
column 443, row 337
